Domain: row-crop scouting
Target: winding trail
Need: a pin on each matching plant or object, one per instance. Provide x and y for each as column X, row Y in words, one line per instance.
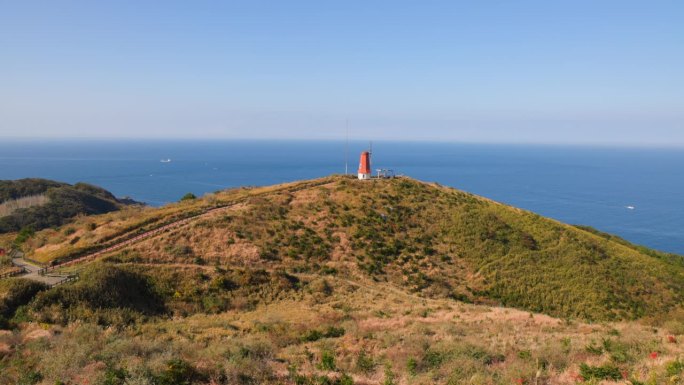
column 41, row 274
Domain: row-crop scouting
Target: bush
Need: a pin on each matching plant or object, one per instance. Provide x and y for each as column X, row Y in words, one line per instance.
column 333, row 332
column 315, row 335
column 17, row 292
column 178, row 372
column 312, row 335
column 106, row 294
column 24, row 234
column 412, row 366
column 603, row 372
column 327, row 361
column 389, row 375
column 188, row 197
column 30, row 378
column 364, row 362
column 674, row 368
column 114, row 376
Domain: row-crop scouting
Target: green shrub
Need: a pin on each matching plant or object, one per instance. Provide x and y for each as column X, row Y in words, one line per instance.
column 178, row 372
column 603, row 372
column 674, row 368
column 433, row 359
column 315, row 335
column 188, row 197
column 333, row 332
column 114, row 376
column 327, row 361
column 345, row 379
column 389, row 375
column 312, row 335
column 24, row 234
column 30, row 378
column 105, row 294
column 364, row 362
column 16, row 292
column 619, row 352
column 412, row 366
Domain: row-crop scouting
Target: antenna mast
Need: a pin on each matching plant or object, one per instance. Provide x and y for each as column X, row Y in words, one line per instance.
column 370, row 155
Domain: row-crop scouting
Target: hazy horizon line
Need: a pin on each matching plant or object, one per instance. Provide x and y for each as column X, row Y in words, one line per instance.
column 654, row 145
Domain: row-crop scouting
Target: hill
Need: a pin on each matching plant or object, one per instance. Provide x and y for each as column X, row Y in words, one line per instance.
column 432, row 240
column 39, row 203
column 337, row 280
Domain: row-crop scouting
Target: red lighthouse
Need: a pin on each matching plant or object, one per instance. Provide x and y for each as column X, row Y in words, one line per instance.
column 365, row 165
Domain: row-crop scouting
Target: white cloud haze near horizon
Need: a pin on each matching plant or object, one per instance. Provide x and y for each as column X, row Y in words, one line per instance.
column 533, row 72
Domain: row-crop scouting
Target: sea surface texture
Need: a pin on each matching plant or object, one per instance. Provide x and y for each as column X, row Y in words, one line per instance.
column 637, row 194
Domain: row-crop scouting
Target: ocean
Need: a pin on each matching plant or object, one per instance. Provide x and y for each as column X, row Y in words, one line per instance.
column 636, row 193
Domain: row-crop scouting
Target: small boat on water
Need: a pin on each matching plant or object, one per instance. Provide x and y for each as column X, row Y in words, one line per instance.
column 630, row 207
column 167, row 160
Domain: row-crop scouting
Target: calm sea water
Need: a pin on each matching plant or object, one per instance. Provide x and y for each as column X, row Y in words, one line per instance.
column 579, row 185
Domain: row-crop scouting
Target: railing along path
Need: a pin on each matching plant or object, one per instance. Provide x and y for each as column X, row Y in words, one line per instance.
column 168, row 226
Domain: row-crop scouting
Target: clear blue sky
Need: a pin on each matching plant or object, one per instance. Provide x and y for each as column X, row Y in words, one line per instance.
column 609, row 72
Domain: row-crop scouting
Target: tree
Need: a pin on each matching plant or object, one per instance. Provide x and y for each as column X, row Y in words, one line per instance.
column 188, row 197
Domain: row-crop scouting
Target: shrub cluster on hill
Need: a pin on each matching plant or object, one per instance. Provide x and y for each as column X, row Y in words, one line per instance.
column 16, row 292
column 64, row 202
column 104, row 293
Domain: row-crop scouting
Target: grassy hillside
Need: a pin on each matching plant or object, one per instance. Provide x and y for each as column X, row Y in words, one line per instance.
column 344, row 281
column 40, row 203
column 431, row 240
column 281, row 328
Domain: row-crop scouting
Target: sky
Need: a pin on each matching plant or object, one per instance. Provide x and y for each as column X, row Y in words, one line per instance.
column 568, row 72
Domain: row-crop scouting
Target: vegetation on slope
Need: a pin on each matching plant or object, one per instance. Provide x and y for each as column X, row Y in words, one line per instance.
column 104, row 294
column 435, row 241
column 15, row 292
column 339, row 281
column 328, row 330
column 431, row 240
column 43, row 203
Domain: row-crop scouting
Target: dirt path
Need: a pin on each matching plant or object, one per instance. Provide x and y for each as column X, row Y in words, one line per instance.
column 33, row 273
column 41, row 274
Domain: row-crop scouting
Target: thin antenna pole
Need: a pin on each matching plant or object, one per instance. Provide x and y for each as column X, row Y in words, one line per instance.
column 346, row 150
column 370, row 155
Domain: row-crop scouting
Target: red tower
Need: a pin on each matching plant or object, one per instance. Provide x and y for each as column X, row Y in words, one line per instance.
column 365, row 165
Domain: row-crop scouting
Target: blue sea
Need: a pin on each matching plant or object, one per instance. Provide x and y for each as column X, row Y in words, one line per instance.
column 636, row 193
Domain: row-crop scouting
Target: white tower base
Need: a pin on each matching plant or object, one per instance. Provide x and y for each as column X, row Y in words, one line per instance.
column 364, row 176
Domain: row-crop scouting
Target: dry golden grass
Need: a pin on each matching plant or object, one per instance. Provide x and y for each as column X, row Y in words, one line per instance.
column 449, row 342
